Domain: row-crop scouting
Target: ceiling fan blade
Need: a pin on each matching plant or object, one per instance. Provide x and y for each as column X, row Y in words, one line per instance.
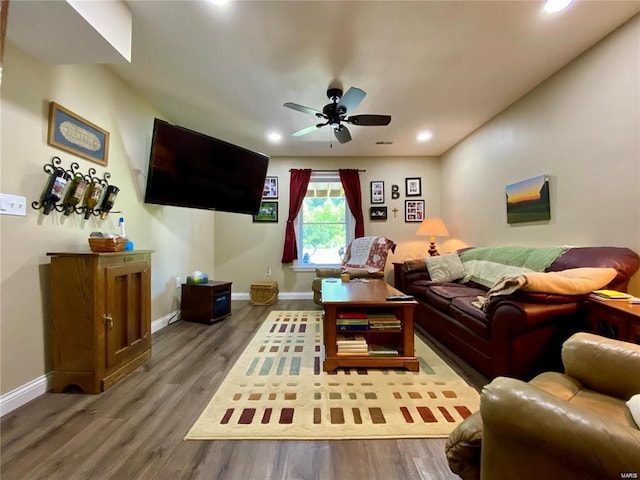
column 303, row 109
column 306, row 130
column 352, row 99
column 342, row 134
column 369, row 120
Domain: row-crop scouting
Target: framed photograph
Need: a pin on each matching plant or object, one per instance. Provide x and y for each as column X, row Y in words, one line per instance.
column 413, row 186
column 270, row 187
column 268, row 213
column 377, row 192
column 413, row 210
column 528, row 200
column 377, row 213
column 74, row 134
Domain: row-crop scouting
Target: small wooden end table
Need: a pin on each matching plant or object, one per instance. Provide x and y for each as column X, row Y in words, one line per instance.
column 617, row 319
column 367, row 296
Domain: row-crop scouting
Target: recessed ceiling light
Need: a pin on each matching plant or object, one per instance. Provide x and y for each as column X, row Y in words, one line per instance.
column 424, row 136
column 552, row 6
column 274, row 137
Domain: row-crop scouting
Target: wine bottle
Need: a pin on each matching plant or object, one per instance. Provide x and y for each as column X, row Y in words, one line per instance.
column 94, row 190
column 109, row 199
column 75, row 192
column 55, row 189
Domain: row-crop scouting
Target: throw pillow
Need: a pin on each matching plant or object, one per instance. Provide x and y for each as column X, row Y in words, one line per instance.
column 634, row 407
column 445, row 268
column 573, row 281
column 368, row 253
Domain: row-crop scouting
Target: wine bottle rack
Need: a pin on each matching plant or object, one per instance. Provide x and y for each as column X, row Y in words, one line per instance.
column 73, row 171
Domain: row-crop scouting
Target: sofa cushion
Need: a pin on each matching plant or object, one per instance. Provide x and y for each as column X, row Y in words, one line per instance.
column 470, row 316
column 445, row 268
column 441, row 295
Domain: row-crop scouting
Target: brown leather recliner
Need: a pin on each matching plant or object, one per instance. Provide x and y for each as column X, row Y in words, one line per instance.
column 574, row 425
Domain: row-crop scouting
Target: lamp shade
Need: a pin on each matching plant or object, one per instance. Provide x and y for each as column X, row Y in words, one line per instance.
column 433, row 227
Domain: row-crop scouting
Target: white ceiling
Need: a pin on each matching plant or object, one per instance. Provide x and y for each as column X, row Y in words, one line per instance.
column 447, row 66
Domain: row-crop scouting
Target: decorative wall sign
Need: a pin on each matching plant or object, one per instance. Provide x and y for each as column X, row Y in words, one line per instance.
column 268, row 213
column 528, row 200
column 395, row 192
column 377, row 192
column 413, row 210
column 74, row 134
column 377, row 213
column 413, row 186
column 270, row 187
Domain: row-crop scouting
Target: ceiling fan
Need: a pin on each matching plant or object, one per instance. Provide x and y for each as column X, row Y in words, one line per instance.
column 335, row 113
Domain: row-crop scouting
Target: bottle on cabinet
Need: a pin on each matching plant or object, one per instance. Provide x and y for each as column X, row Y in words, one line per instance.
column 94, row 191
column 75, row 192
column 109, row 199
column 55, row 189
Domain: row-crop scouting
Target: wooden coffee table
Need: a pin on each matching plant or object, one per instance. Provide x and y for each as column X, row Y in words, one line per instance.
column 344, row 298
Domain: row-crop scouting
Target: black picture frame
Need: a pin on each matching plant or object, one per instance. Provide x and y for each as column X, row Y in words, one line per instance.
column 377, row 192
column 413, row 211
column 268, row 213
column 413, row 186
column 377, row 213
column 270, row 188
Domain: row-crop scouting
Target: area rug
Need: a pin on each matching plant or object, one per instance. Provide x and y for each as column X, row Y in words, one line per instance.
column 277, row 390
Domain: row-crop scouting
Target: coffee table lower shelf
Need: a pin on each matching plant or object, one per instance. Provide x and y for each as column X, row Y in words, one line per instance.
column 410, row 363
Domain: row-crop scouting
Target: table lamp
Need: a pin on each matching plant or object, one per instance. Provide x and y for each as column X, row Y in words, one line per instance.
column 434, row 227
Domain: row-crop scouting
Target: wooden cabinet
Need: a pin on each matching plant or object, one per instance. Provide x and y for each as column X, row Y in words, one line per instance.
column 617, row 319
column 100, row 317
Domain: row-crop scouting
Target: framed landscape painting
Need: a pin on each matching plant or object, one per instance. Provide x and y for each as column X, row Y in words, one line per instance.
column 528, row 200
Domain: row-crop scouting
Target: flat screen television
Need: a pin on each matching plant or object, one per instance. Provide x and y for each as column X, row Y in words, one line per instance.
column 190, row 169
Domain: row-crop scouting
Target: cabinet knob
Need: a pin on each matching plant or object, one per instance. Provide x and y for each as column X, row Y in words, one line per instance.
column 108, row 320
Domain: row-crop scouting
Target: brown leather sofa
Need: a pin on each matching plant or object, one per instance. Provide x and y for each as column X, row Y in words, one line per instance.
column 574, row 425
column 517, row 335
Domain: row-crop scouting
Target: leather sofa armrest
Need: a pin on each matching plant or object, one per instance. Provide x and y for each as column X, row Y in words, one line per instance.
column 463, row 448
column 328, row 272
column 602, row 364
column 541, row 433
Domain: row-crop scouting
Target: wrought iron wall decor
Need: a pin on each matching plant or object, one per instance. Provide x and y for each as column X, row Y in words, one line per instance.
column 70, row 191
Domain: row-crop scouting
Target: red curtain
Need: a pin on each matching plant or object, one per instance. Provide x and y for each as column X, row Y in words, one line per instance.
column 351, row 183
column 297, row 190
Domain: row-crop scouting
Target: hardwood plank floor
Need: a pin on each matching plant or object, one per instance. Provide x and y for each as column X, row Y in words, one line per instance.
column 135, row 429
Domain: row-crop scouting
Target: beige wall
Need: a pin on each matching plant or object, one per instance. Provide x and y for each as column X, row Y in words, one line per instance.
column 244, row 250
column 582, row 127
column 182, row 239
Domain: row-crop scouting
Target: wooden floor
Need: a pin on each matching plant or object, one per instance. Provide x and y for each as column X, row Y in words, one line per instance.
column 135, row 430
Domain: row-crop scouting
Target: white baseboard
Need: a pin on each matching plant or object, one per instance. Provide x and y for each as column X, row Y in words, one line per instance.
column 24, row 394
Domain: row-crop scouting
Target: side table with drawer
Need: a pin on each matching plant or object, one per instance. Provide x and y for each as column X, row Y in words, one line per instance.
column 617, row 319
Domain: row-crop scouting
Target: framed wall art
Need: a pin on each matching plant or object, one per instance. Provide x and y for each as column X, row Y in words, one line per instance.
column 268, row 213
column 377, row 213
column 74, row 134
column 413, row 210
column 413, row 186
column 377, row 192
column 395, row 192
column 528, row 200
column 270, row 187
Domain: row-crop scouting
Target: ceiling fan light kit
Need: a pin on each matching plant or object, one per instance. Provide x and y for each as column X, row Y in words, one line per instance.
column 335, row 113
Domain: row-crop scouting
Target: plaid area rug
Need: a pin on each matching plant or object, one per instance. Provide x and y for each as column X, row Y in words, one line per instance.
column 277, row 390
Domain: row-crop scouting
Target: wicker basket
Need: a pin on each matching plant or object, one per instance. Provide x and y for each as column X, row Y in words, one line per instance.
column 98, row 244
column 263, row 293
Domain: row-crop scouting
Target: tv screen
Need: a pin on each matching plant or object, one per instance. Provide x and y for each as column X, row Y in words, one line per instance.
column 190, row 169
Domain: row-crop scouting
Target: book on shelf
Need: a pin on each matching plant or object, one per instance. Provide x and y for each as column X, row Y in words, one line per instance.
column 382, row 350
column 350, row 339
column 351, row 314
column 351, row 328
column 610, row 295
column 352, row 321
column 353, row 348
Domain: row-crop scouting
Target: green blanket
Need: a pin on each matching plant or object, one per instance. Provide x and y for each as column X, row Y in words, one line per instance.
column 487, row 265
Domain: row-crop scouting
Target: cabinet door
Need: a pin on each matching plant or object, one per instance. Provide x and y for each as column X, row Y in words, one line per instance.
column 128, row 316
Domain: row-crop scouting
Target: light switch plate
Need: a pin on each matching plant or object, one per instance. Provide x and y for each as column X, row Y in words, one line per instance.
column 13, row 205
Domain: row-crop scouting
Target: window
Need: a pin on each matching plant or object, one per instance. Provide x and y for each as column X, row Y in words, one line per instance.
column 324, row 226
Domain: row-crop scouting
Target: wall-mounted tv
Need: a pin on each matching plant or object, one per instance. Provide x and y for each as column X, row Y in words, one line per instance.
column 190, row 169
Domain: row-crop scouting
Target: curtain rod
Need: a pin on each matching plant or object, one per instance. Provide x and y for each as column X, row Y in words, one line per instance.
column 330, row 171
